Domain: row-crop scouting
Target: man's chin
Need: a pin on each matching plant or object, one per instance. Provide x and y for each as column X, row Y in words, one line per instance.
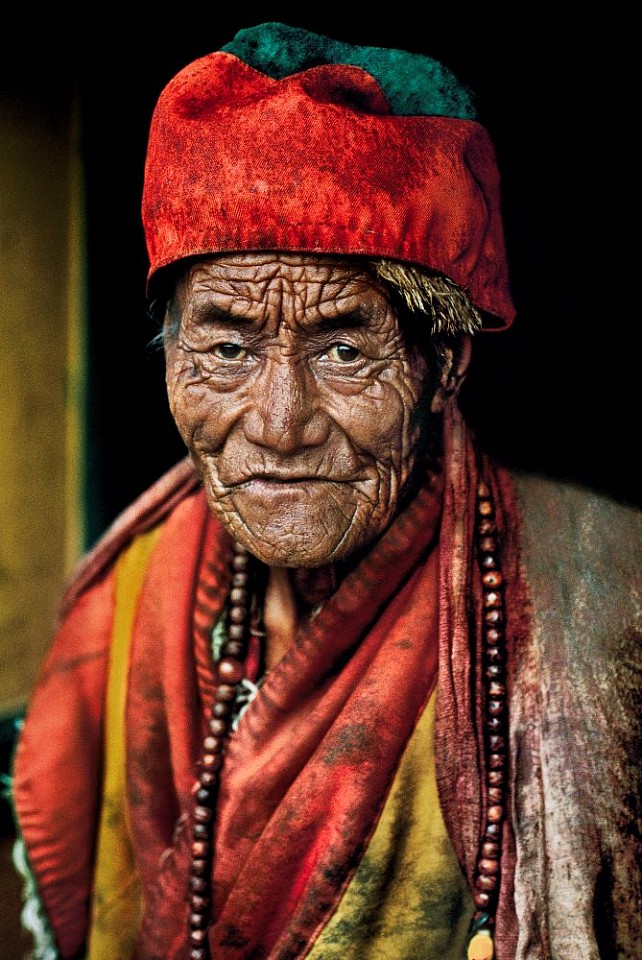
column 291, row 531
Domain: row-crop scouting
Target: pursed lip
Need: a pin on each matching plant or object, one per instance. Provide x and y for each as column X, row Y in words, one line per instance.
column 285, row 479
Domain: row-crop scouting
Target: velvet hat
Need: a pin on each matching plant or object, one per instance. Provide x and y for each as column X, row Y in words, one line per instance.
column 288, row 140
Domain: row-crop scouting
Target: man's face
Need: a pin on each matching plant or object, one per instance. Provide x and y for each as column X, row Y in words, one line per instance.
column 299, row 400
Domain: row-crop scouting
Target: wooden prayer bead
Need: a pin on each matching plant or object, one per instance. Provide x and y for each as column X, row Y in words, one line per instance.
column 225, row 693
column 198, row 953
column 495, row 814
column 481, row 899
column 487, row 866
column 492, row 599
column 202, row 814
column 485, row 526
column 496, row 744
column 200, row 831
column 197, row 920
column 199, row 867
column 489, row 849
column 198, row 936
column 485, row 508
column 496, row 777
column 496, row 689
column 218, row 727
column 230, row 671
column 239, row 596
column 238, row 614
column 488, row 544
column 486, row 883
column 495, row 794
column 234, row 648
column 236, row 632
column 492, row 578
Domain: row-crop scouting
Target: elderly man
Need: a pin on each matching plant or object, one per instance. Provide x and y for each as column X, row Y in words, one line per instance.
column 338, row 686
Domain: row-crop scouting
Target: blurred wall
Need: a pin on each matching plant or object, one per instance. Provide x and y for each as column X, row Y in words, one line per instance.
column 41, row 389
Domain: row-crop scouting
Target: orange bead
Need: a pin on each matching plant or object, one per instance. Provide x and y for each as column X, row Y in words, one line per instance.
column 481, row 947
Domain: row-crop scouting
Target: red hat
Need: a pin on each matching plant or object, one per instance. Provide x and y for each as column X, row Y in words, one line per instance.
column 285, row 140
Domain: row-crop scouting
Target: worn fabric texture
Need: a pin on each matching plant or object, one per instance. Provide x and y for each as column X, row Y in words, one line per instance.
column 571, row 868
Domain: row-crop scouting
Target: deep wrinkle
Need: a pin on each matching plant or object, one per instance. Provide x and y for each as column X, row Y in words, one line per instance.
column 301, row 400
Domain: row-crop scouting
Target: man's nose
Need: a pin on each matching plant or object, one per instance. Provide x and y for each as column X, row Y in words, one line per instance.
column 285, row 414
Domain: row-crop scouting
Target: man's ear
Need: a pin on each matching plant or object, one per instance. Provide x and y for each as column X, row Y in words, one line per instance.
column 456, row 359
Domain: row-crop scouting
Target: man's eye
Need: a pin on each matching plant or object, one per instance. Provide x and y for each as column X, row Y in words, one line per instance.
column 229, row 351
column 343, row 353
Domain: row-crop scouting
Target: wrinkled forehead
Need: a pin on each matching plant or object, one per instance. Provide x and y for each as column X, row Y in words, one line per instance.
column 305, row 285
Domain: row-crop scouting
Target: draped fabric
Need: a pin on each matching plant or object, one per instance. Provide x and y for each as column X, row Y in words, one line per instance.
column 306, row 778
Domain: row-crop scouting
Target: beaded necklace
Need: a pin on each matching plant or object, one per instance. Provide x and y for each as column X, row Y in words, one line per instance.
column 242, row 625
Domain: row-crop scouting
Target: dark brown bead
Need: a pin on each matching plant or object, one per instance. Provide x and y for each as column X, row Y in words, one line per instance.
column 488, row 866
column 493, row 578
column 230, row 671
column 495, row 814
column 485, row 527
column 241, row 559
column 496, row 761
column 211, row 761
column 238, row 614
column 495, row 777
column 198, row 953
column 204, row 796
column 207, row 777
column 495, row 654
column 225, row 693
column 200, row 849
column 485, row 508
column 221, row 709
column 486, row 883
column 197, row 920
column 239, row 596
column 198, row 936
column 218, row 727
column 199, row 902
column 199, row 867
column 492, row 636
column 213, row 744
column 493, row 616
column 234, row 648
column 492, row 599
column 200, row 831
column 481, row 899
column 490, row 850
column 240, row 578
column 198, row 884
column 236, row 632
column 496, row 707
column 496, row 689
column 482, row 490
column 497, row 743
column 487, row 544
column 495, row 724
column 202, row 814
column 495, row 794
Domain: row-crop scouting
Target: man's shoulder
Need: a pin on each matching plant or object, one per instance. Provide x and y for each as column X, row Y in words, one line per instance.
column 580, row 552
column 151, row 508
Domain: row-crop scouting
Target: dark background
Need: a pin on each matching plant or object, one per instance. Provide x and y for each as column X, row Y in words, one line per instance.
column 558, row 393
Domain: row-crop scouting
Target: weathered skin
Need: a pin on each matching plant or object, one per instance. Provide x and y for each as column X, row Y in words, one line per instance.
column 299, row 399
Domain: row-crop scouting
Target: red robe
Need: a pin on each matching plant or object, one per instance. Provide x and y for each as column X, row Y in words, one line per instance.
column 329, row 729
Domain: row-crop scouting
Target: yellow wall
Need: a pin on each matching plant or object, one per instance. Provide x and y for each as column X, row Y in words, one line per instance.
column 41, row 309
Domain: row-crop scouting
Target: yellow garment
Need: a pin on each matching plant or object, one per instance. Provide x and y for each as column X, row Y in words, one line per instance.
column 116, row 905
column 408, row 897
